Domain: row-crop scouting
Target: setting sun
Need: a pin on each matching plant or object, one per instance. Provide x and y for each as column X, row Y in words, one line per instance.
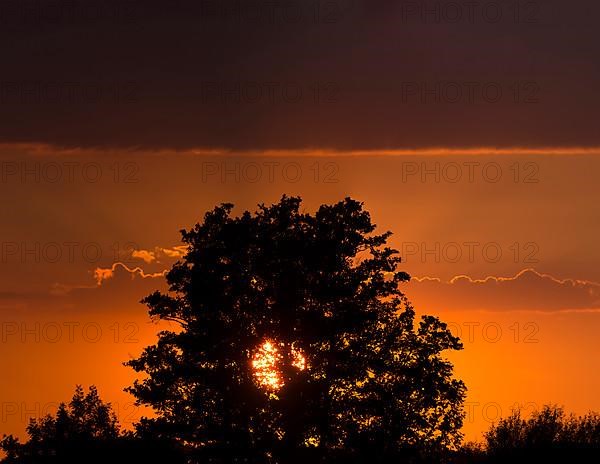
column 267, row 362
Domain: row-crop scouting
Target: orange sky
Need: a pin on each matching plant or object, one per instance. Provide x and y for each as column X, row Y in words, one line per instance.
column 524, row 219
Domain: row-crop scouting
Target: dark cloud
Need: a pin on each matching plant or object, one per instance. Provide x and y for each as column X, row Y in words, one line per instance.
column 341, row 74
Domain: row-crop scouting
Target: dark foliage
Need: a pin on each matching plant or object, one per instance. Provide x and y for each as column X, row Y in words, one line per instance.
column 374, row 385
column 83, row 431
column 548, row 435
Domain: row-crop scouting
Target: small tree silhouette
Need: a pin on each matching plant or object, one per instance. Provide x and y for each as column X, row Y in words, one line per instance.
column 295, row 343
column 84, row 430
column 86, row 418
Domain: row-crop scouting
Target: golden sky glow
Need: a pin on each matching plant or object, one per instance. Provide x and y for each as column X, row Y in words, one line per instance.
column 522, row 329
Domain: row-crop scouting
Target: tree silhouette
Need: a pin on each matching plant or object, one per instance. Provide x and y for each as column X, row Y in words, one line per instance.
column 84, row 430
column 294, row 342
column 549, row 435
column 85, row 418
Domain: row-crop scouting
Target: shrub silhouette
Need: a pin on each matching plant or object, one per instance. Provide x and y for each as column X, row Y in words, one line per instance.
column 548, row 435
column 295, row 344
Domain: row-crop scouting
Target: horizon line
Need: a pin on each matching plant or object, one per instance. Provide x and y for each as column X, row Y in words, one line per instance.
column 42, row 149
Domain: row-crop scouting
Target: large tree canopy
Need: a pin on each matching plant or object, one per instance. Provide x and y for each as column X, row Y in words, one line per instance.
column 295, row 342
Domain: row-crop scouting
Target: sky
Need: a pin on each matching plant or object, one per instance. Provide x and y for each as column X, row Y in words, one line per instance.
column 468, row 131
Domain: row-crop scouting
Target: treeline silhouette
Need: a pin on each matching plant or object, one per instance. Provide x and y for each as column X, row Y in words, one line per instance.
column 548, row 435
column 86, row 430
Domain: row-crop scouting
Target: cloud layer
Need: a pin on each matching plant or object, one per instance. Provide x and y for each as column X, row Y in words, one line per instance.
column 527, row 290
column 350, row 74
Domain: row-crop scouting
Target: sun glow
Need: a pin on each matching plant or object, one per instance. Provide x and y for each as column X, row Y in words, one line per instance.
column 298, row 359
column 267, row 363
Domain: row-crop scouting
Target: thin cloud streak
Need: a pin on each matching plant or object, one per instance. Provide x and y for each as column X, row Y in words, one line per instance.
column 103, row 274
column 526, row 290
